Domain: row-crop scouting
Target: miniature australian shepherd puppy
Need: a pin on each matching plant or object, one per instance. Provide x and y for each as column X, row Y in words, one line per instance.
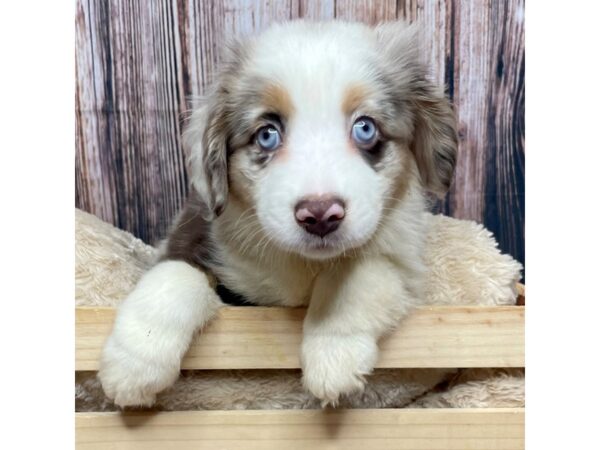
column 310, row 162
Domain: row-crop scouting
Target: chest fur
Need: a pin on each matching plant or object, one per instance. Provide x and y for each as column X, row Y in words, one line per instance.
column 277, row 281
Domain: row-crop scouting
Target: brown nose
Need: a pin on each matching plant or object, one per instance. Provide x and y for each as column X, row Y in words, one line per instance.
column 320, row 215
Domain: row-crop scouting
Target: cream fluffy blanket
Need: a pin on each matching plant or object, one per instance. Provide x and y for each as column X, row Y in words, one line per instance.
column 466, row 268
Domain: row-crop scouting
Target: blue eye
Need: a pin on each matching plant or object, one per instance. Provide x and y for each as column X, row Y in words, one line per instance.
column 268, row 138
column 364, row 132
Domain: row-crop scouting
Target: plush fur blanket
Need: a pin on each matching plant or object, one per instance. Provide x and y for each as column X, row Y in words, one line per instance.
column 466, row 268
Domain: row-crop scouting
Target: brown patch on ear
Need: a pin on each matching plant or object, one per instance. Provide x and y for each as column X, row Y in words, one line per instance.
column 354, row 96
column 208, row 133
column 215, row 158
column 435, row 140
column 276, row 99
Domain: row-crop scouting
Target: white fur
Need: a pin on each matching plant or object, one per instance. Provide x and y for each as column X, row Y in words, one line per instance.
column 352, row 305
column 320, row 164
column 268, row 275
column 319, row 159
column 153, row 330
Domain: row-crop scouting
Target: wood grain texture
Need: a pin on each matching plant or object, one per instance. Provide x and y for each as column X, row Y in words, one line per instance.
column 140, row 65
column 129, row 107
column 368, row 11
column 397, row 429
column 270, row 338
column 316, row 9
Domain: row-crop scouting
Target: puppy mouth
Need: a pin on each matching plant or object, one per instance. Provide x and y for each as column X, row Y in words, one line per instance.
column 324, row 247
column 321, row 246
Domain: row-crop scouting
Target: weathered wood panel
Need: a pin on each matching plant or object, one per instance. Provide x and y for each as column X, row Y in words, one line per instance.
column 316, row 9
column 129, row 103
column 368, row 11
column 140, row 63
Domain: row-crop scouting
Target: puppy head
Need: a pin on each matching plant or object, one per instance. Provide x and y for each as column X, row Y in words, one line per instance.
column 320, row 128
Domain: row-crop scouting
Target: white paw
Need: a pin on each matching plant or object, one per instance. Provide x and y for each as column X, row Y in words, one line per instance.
column 336, row 365
column 131, row 378
column 152, row 331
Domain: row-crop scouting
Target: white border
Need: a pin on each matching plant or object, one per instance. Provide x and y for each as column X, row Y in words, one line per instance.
column 562, row 224
column 37, row 82
column 562, row 228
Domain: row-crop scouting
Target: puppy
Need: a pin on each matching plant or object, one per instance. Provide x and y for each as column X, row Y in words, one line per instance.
column 310, row 162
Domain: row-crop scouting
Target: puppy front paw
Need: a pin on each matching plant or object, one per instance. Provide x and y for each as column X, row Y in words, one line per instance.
column 336, row 365
column 131, row 378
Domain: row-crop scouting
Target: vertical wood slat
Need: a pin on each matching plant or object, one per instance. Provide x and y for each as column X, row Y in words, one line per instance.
column 138, row 65
column 132, row 96
column 488, row 97
column 95, row 187
column 368, row 11
column 473, row 37
column 244, row 17
column 206, row 26
column 316, row 9
column 434, row 20
column 476, row 49
column 505, row 185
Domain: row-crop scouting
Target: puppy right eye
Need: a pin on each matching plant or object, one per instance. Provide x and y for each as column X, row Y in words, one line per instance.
column 364, row 133
column 268, row 138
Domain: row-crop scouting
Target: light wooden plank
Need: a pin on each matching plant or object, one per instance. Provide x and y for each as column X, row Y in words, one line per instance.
column 261, row 337
column 417, row 429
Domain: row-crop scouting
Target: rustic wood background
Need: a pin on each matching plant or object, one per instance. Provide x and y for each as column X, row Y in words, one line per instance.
column 138, row 62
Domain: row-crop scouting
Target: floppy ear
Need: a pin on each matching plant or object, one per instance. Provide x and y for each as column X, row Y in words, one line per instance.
column 434, row 139
column 206, row 138
column 205, row 142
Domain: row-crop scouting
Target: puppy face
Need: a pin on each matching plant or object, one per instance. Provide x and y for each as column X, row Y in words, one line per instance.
column 320, row 128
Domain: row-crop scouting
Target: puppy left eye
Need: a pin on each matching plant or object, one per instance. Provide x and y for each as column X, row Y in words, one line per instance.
column 268, row 138
column 364, row 133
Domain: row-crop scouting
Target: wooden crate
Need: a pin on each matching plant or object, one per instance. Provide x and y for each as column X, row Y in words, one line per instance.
column 258, row 337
